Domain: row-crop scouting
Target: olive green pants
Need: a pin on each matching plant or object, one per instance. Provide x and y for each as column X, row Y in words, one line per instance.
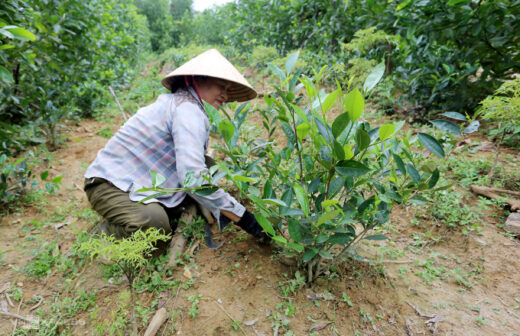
column 124, row 216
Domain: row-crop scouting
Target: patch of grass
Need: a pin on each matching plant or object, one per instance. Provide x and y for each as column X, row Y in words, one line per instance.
column 105, row 132
column 448, row 208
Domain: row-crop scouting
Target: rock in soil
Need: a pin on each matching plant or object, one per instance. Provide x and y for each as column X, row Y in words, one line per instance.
column 513, row 223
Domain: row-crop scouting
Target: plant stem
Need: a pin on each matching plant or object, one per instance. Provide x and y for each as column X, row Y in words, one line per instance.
column 497, row 152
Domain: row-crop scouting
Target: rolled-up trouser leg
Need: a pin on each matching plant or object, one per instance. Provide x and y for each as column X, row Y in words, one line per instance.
column 123, row 215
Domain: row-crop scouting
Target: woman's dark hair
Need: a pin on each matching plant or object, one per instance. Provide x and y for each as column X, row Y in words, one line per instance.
column 179, row 82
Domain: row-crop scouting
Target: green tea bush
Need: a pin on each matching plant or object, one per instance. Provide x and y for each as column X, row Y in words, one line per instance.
column 327, row 184
column 58, row 57
column 16, row 179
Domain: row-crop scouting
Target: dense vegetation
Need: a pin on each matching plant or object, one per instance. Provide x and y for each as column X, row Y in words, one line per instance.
column 323, row 158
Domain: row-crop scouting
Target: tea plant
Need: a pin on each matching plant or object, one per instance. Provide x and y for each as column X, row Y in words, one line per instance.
column 326, row 185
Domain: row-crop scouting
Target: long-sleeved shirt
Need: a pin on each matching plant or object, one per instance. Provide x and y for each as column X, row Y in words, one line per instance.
column 169, row 136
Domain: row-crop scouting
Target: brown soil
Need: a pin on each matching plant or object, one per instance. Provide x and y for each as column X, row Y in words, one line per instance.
column 240, row 281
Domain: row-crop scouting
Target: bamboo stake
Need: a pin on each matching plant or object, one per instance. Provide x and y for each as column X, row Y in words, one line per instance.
column 117, row 101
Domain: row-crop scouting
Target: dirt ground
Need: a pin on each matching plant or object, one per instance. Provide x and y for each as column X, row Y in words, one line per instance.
column 472, row 287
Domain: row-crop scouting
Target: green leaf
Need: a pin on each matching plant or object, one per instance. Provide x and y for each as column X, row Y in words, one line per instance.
column 446, row 126
column 277, row 71
column 399, row 163
column 22, row 34
column 44, row 175
column 274, row 202
column 158, row 179
column 376, row 237
column 265, row 224
column 57, row 179
column 227, row 129
column 302, row 198
column 354, row 104
column 295, row 230
column 279, row 239
column 431, row 144
column 472, row 127
column 291, row 61
column 340, row 238
column 434, row 179
column 414, row 174
column 327, row 217
column 6, row 46
column 208, row 190
column 213, row 115
column 454, row 115
column 339, row 124
column 189, row 179
column 339, row 153
column 374, row 77
column 386, row 131
column 5, row 75
column 296, row 247
column 455, row 2
column 242, row 178
column 362, row 139
column 302, row 130
column 309, row 254
column 351, row 168
column 325, row 254
column 330, row 100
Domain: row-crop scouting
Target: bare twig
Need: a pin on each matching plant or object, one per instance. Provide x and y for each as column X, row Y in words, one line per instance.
column 17, row 312
column 9, row 300
column 117, row 101
column 38, row 304
column 156, row 322
column 230, row 317
column 16, row 316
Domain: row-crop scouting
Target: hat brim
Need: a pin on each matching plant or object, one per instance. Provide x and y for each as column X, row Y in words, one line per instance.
column 212, row 64
column 235, row 92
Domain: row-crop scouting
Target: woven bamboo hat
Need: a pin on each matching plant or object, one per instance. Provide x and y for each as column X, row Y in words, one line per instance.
column 211, row 63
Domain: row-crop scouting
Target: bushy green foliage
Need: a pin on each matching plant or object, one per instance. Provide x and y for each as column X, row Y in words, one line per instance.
column 503, row 110
column 130, row 254
column 62, row 56
column 327, row 184
column 15, row 179
column 451, row 54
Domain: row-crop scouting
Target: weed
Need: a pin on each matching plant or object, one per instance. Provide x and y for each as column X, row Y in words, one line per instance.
column 43, row 260
column 345, row 298
column 194, row 309
column 291, row 286
column 235, row 325
column 481, row 321
column 366, row 317
column 105, row 132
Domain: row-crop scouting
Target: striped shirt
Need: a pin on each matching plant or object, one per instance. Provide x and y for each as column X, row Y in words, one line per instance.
column 169, row 136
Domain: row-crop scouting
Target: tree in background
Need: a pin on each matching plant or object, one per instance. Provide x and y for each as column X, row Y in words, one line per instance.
column 77, row 49
column 163, row 20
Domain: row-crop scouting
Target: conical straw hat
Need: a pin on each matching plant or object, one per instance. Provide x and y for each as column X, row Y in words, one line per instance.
column 211, row 63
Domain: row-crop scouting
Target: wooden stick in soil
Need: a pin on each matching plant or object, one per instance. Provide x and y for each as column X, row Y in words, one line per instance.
column 117, row 101
column 156, row 322
column 492, row 193
column 17, row 312
column 16, row 316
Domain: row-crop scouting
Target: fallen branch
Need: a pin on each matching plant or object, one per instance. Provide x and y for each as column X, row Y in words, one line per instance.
column 230, row 317
column 156, row 322
column 17, row 312
column 16, row 316
column 492, row 193
column 38, row 304
column 432, row 321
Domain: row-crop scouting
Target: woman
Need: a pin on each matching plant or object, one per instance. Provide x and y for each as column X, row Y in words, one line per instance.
column 170, row 137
